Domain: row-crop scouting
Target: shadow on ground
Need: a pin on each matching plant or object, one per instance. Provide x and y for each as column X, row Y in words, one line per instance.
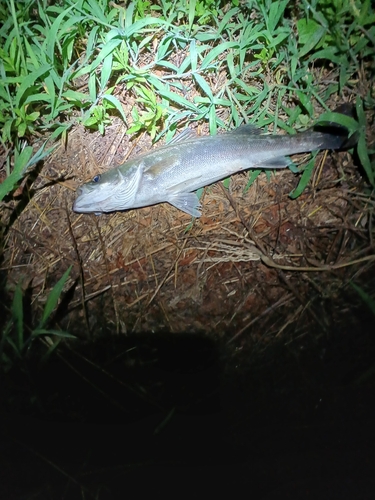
column 154, row 412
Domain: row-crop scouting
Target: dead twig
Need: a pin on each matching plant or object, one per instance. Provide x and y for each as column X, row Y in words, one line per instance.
column 81, row 273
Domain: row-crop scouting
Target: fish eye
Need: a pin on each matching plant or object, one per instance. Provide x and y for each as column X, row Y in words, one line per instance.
column 96, row 178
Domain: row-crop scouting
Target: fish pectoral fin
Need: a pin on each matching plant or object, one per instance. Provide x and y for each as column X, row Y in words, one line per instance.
column 187, row 202
column 279, row 162
column 126, row 189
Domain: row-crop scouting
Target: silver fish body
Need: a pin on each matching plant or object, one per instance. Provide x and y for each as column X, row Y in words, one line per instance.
column 173, row 172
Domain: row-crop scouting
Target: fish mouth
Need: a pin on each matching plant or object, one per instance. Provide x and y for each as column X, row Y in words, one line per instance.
column 79, row 204
column 84, row 203
column 81, row 208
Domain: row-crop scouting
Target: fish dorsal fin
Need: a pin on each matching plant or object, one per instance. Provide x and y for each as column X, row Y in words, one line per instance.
column 185, row 135
column 247, row 129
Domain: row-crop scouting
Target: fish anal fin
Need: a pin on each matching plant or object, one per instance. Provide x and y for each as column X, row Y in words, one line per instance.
column 279, row 162
column 187, row 202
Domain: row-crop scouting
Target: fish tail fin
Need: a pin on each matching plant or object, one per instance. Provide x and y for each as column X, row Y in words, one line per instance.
column 334, row 135
column 332, row 138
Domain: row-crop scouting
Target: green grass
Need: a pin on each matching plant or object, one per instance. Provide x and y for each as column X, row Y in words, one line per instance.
column 366, row 298
column 66, row 63
column 17, row 335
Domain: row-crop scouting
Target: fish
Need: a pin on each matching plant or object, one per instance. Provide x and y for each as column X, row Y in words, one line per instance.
column 172, row 173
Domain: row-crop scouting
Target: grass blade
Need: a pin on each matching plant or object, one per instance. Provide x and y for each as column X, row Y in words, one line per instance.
column 53, row 298
column 58, row 333
column 106, row 71
column 367, row 299
column 17, row 313
column 305, row 179
column 116, row 103
column 28, row 82
column 19, row 166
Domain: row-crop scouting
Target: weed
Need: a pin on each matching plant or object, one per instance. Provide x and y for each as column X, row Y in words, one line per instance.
column 17, row 336
column 224, row 64
column 366, row 298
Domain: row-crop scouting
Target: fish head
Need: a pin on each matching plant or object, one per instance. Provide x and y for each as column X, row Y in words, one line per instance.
column 111, row 191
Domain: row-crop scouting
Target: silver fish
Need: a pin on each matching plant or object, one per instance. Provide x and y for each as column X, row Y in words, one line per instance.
column 171, row 173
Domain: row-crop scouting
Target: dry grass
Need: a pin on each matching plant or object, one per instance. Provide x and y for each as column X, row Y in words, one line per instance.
column 251, row 260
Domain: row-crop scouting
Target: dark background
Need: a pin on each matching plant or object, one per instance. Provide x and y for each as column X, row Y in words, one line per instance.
column 153, row 412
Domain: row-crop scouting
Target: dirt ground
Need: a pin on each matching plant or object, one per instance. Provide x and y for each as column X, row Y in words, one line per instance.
column 232, row 346
column 256, row 266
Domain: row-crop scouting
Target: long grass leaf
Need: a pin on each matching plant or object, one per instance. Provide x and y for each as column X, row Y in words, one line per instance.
column 142, row 23
column 254, row 174
column 29, row 80
column 367, row 299
column 43, row 331
column 107, row 49
column 212, row 118
column 203, row 85
column 346, row 121
column 276, row 10
column 224, row 23
column 92, row 87
column 53, row 298
column 96, row 10
column 116, row 103
column 192, row 4
column 31, row 53
column 38, row 156
column 365, row 160
column 172, row 96
column 51, row 92
column 52, row 38
column 106, row 71
column 304, row 180
column 214, row 53
column 17, row 313
column 16, row 175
